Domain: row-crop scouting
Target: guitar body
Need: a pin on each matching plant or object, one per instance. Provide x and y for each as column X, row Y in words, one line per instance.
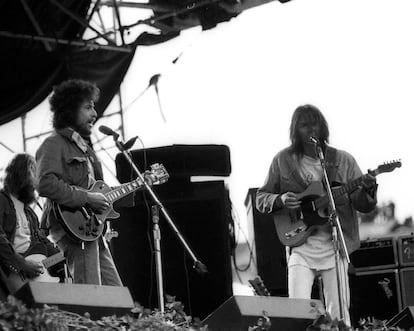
column 293, row 226
column 14, row 281
column 83, row 224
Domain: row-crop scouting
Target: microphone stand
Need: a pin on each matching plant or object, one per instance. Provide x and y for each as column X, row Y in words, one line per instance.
column 158, row 206
column 337, row 234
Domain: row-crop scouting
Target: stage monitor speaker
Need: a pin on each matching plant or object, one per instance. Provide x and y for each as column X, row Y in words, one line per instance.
column 270, row 252
column 241, row 312
column 202, row 213
column 374, row 294
column 97, row 300
column 403, row 320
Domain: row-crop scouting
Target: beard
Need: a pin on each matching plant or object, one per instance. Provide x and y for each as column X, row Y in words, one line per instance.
column 26, row 194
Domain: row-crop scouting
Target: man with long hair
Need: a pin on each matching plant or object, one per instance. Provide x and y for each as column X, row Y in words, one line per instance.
column 292, row 170
column 67, row 167
column 19, row 226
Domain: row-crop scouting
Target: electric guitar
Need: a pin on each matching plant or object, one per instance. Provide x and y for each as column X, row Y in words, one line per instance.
column 84, row 225
column 293, row 226
column 15, row 281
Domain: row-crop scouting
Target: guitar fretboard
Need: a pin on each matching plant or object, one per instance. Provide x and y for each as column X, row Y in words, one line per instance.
column 350, row 187
column 339, row 191
column 354, row 184
column 123, row 190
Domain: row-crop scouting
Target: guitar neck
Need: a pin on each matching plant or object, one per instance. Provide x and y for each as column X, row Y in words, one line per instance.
column 341, row 190
column 124, row 189
column 347, row 188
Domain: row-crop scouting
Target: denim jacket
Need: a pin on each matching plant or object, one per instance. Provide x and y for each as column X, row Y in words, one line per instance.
column 63, row 171
column 284, row 176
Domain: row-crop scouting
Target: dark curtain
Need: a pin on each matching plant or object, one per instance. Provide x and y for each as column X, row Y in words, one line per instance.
column 29, row 70
column 28, row 79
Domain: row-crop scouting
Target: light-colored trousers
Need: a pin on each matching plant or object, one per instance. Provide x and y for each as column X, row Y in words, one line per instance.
column 300, row 283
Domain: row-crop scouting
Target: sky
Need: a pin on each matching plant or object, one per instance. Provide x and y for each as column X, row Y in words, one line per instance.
column 239, row 83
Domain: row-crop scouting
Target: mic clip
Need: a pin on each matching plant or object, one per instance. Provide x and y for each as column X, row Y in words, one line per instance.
column 314, row 140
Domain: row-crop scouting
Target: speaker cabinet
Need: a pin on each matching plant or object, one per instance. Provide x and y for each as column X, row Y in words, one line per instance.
column 407, row 286
column 375, row 294
column 241, row 312
column 181, row 161
column 97, row 300
column 270, row 253
column 406, row 250
column 201, row 212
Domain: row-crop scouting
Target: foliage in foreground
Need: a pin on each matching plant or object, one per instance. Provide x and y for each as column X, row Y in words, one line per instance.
column 14, row 315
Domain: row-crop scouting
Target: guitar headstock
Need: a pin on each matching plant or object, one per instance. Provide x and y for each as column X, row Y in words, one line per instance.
column 259, row 287
column 157, row 175
column 386, row 167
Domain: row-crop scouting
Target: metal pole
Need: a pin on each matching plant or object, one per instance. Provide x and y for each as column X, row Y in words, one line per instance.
column 157, row 251
column 337, row 234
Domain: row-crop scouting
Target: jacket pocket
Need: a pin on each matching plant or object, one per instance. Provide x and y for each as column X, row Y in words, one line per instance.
column 77, row 170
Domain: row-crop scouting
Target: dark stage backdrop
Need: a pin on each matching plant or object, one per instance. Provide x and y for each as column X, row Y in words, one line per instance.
column 202, row 215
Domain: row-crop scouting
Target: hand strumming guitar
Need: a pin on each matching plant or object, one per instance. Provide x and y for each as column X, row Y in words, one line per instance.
column 31, row 269
column 97, row 201
column 289, row 200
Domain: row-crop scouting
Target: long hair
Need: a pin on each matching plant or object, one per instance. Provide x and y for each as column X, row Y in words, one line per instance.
column 312, row 114
column 19, row 179
column 67, row 98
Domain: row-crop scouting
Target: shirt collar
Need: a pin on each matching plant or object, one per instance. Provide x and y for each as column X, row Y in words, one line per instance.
column 75, row 137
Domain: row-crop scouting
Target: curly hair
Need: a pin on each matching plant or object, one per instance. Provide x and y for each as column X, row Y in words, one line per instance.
column 312, row 114
column 19, row 179
column 67, row 98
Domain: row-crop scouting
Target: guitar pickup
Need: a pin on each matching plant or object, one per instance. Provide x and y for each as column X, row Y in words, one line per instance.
column 295, row 231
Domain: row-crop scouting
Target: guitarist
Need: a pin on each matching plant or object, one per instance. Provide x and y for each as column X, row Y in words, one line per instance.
column 291, row 171
column 67, row 167
column 19, row 226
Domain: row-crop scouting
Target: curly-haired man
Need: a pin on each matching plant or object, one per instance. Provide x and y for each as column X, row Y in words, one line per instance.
column 67, row 167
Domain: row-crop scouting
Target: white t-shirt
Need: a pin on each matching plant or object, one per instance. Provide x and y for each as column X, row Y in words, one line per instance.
column 22, row 238
column 317, row 252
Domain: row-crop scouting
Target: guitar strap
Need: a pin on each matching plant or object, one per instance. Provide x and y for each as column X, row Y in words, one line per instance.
column 331, row 163
column 93, row 158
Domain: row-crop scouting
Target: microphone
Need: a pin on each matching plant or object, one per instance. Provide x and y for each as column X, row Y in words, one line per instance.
column 154, row 80
column 108, row 131
column 314, row 140
column 130, row 142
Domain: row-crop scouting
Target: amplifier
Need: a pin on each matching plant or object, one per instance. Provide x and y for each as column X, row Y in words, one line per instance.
column 407, row 286
column 374, row 254
column 406, row 250
column 375, row 294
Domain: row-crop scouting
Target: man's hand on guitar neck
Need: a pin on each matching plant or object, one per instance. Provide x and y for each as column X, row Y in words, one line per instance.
column 368, row 182
column 97, row 201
